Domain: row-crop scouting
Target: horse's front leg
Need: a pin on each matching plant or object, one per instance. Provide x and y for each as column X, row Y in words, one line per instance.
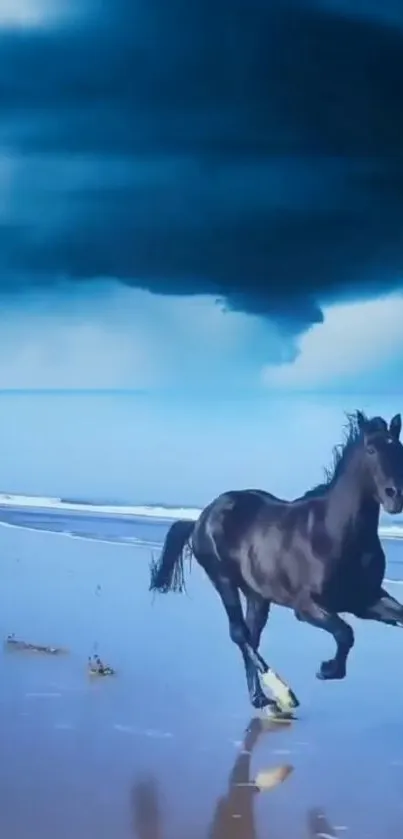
column 386, row 610
column 342, row 633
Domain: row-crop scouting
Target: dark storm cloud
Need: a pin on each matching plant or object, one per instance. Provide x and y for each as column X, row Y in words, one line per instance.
column 260, row 148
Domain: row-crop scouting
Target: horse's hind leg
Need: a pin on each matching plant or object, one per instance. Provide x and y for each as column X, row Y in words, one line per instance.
column 257, row 613
column 241, row 636
column 386, row 610
column 342, row 633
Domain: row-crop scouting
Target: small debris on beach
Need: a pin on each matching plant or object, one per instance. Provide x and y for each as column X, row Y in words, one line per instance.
column 12, row 643
column 269, row 778
column 96, row 667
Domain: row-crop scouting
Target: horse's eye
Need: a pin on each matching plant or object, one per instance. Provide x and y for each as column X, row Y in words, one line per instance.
column 370, row 449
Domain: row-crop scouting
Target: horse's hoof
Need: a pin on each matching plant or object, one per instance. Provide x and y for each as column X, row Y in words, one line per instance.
column 262, row 701
column 272, row 713
column 331, row 670
column 284, row 696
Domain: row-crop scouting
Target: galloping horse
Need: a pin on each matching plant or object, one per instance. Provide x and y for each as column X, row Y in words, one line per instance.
column 319, row 554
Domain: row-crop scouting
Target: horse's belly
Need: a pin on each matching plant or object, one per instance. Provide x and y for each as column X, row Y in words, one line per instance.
column 282, row 580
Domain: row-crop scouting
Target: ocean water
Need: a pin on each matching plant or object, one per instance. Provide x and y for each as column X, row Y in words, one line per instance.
column 137, row 525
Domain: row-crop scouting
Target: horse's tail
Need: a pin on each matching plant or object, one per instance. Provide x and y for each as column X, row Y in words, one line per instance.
column 167, row 573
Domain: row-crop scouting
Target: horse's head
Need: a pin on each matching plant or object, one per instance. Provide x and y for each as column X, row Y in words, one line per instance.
column 383, row 454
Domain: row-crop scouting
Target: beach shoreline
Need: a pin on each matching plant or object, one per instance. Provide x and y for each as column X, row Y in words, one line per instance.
column 78, row 750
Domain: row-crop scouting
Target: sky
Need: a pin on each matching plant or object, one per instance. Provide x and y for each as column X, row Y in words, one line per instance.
column 202, row 204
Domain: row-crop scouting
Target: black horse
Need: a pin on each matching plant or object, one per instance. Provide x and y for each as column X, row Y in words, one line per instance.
column 318, row 555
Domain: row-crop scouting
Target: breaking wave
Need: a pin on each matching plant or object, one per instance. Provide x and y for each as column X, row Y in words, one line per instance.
column 147, row 511
column 158, row 511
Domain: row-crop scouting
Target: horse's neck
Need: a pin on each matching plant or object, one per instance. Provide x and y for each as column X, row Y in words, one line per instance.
column 351, row 502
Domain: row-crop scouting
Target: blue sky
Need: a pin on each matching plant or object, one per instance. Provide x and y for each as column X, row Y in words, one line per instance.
column 197, row 399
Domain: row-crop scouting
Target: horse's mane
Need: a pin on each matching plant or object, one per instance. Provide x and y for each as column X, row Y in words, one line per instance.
column 351, row 433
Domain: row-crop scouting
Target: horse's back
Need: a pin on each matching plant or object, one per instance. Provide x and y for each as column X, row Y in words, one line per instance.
column 247, row 532
column 224, row 523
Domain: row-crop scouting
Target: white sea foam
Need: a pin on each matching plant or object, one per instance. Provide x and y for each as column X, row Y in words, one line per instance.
column 146, row 511
column 124, row 541
column 386, row 531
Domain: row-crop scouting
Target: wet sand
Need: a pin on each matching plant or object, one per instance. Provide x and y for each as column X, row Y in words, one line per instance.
column 158, row 750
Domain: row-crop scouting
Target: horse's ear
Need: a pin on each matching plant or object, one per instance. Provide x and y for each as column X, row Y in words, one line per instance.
column 395, row 426
column 361, row 420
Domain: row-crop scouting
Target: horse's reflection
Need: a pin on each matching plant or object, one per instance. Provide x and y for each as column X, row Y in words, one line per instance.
column 146, row 810
column 319, row 827
column 234, row 813
column 234, row 816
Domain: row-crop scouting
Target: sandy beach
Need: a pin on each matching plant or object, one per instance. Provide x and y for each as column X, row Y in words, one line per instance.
column 155, row 750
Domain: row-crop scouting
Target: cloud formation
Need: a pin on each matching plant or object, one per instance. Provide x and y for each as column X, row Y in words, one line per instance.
column 247, row 150
column 358, row 346
column 121, row 338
